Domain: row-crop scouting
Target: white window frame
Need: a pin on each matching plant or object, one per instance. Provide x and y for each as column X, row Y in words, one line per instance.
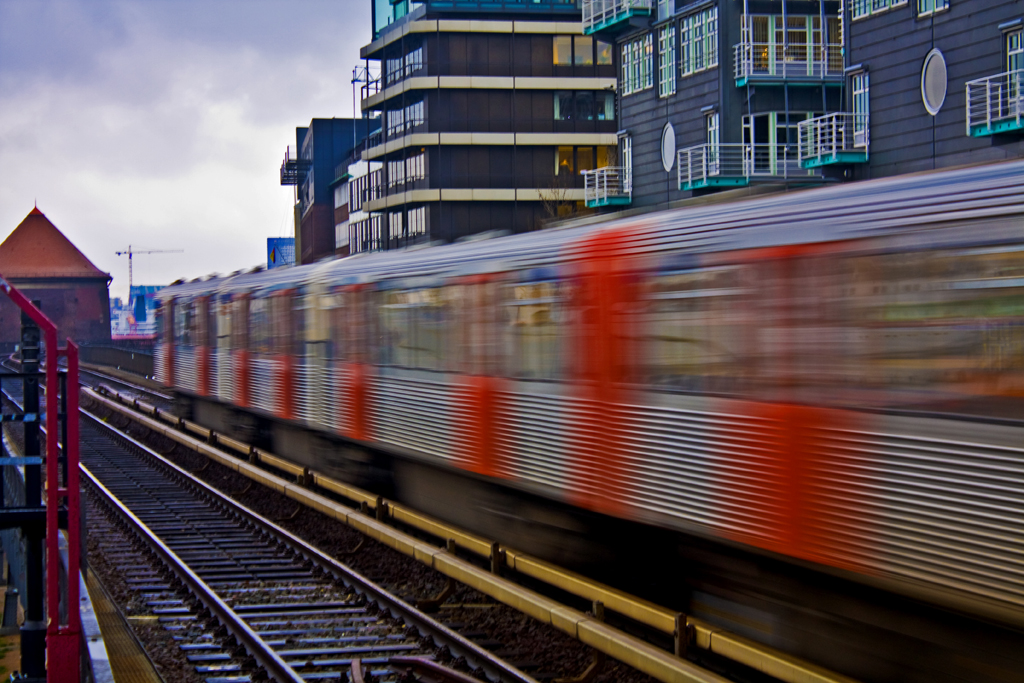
column 698, row 42
column 637, row 67
column 626, row 146
column 713, row 135
column 860, row 87
column 1015, row 48
column 859, row 9
column 926, row 8
column 667, row 61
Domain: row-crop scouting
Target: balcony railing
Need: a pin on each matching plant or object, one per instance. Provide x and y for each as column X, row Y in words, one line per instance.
column 602, row 14
column 607, row 186
column 735, row 164
column 995, row 104
column 837, row 138
column 768, row 62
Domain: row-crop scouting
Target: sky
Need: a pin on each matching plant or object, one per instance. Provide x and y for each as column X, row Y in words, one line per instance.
column 162, row 124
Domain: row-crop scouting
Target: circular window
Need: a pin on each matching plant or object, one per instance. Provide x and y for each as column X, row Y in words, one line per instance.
column 933, row 81
column 668, row 147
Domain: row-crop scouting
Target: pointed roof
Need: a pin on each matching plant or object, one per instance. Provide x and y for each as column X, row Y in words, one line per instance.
column 37, row 249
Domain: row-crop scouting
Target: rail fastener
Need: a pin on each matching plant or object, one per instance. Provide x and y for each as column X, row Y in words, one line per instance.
column 632, row 651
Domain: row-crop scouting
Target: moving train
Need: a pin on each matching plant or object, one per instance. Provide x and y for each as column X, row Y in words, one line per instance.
column 831, row 377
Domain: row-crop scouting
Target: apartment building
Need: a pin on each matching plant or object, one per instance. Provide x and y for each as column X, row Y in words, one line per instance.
column 716, row 95
column 489, row 113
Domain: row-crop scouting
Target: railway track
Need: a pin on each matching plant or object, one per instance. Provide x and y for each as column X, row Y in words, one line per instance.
column 245, row 593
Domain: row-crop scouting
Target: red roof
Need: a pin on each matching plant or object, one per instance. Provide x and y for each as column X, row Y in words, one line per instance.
column 37, row 249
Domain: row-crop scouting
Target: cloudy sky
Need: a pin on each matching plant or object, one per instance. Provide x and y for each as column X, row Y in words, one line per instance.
column 162, row 123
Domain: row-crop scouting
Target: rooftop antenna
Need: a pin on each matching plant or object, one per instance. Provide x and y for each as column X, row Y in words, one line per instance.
column 131, row 252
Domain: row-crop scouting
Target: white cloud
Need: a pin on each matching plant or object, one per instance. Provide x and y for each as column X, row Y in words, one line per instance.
column 163, row 124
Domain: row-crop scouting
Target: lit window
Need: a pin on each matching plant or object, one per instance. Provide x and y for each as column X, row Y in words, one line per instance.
column 604, row 53
column 583, row 51
column 667, row 61
column 563, row 50
column 926, row 7
column 563, row 161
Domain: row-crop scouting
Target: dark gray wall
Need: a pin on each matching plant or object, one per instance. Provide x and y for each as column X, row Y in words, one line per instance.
column 893, row 45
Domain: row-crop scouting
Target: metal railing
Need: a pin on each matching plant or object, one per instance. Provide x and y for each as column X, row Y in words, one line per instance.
column 600, row 13
column 829, row 135
column 736, row 163
column 772, row 60
column 609, row 182
column 995, row 103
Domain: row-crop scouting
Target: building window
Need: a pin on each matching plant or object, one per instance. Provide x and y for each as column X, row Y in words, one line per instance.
column 1015, row 50
column 563, row 50
column 417, row 221
column 626, row 145
column 584, row 105
column 714, row 140
column 859, row 85
column 563, row 161
column 416, row 167
column 413, row 61
column 414, row 115
column 583, row 51
column 637, row 65
column 395, row 225
column 396, row 173
column 864, row 8
column 667, row 61
column 394, row 70
column 698, row 41
column 926, row 7
column 396, row 122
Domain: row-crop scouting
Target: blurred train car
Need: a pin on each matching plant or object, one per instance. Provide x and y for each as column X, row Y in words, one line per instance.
column 828, row 381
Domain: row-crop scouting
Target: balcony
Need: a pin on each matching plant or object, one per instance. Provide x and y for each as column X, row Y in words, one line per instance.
column 294, row 168
column 838, row 138
column 736, row 164
column 602, row 15
column 774, row 64
column 608, row 186
column 995, row 104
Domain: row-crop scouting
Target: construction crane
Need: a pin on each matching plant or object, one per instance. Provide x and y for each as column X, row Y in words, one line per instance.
column 131, row 252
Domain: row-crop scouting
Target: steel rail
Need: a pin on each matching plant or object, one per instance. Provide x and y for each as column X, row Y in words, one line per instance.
column 254, row 645
column 459, row 645
column 123, row 382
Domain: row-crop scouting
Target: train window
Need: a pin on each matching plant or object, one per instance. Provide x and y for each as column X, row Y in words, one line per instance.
column 691, row 330
column 240, row 323
column 413, row 328
column 477, row 335
column 259, row 326
column 946, row 328
column 534, row 317
column 185, row 323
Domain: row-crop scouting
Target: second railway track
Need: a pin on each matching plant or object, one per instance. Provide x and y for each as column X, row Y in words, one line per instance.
column 277, row 601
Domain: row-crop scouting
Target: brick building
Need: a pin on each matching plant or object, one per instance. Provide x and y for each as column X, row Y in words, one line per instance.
column 40, row 261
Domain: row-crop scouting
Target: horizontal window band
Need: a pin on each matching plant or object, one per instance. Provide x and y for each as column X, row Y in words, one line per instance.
column 470, row 26
column 487, row 83
column 504, row 139
column 474, row 195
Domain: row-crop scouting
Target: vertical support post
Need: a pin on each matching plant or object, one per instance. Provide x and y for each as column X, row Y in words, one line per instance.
column 33, row 630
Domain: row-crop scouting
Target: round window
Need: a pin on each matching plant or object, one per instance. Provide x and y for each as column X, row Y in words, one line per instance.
column 933, row 81
column 668, row 147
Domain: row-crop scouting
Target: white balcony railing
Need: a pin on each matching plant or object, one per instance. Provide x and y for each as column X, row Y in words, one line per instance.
column 833, row 138
column 996, row 103
column 771, row 60
column 608, row 185
column 598, row 14
column 724, row 164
